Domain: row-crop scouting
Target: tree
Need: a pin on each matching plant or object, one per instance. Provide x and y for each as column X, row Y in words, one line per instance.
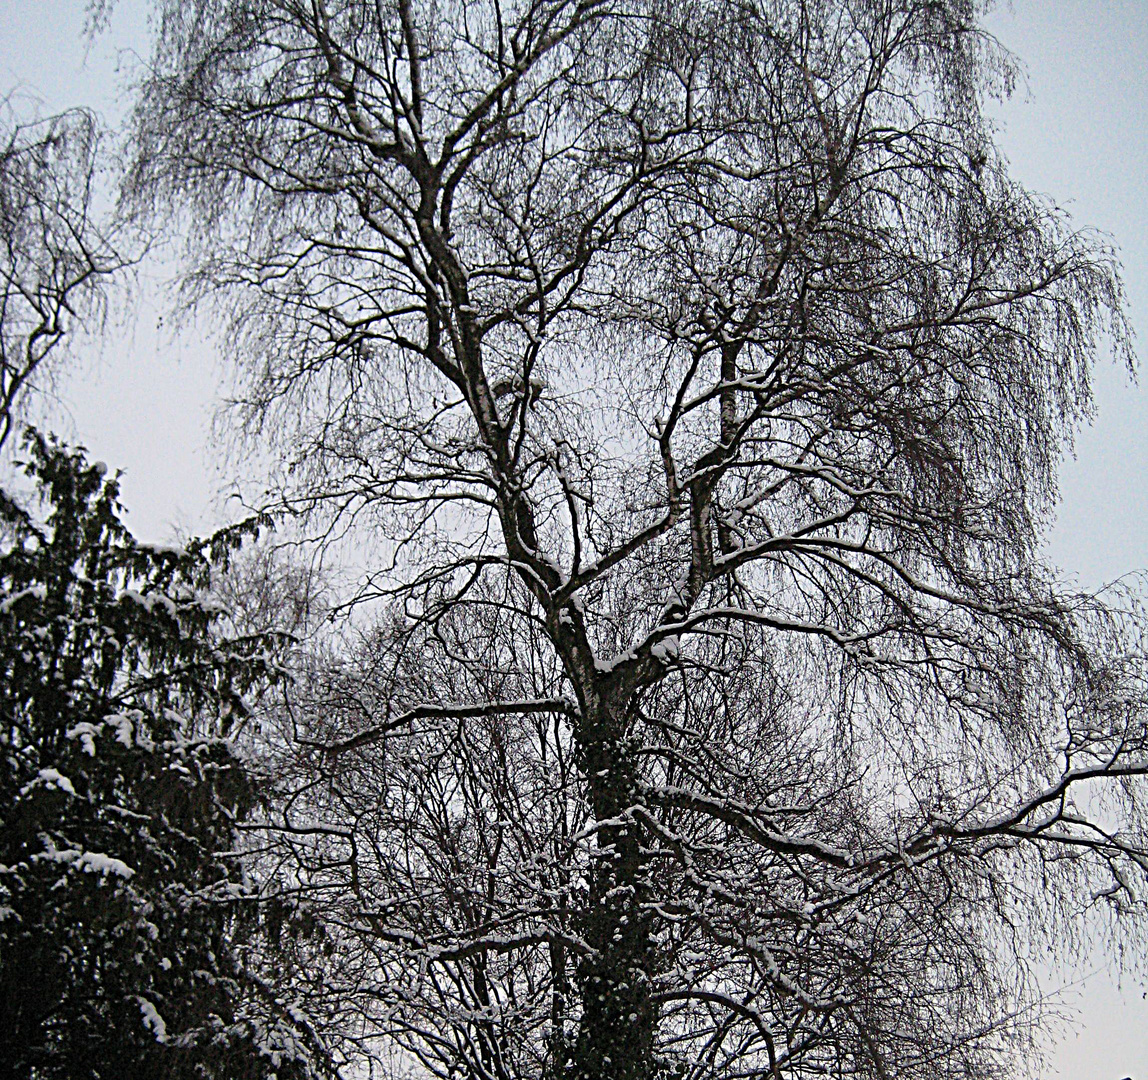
column 699, row 375
column 126, row 922
column 54, row 253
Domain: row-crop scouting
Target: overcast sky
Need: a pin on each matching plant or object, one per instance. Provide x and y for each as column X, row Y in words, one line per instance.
column 1077, row 129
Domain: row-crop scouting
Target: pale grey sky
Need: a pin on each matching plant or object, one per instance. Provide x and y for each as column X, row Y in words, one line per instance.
column 1077, row 129
column 1079, row 132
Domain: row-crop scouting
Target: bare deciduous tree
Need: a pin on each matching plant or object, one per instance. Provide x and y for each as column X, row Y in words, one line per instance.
column 700, row 376
column 54, row 254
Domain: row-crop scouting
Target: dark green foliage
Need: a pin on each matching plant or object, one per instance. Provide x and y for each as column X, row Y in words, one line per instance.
column 125, row 921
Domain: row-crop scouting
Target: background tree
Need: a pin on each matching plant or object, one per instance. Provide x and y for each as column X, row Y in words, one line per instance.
column 126, row 921
column 700, row 374
column 54, row 252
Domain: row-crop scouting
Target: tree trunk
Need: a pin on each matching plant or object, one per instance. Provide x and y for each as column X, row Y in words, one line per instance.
column 616, row 1034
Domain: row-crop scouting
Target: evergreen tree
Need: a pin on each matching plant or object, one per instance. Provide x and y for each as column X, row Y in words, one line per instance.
column 126, row 927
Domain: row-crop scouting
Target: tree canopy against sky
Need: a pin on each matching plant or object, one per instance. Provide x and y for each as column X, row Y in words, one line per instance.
column 752, row 367
column 702, row 376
